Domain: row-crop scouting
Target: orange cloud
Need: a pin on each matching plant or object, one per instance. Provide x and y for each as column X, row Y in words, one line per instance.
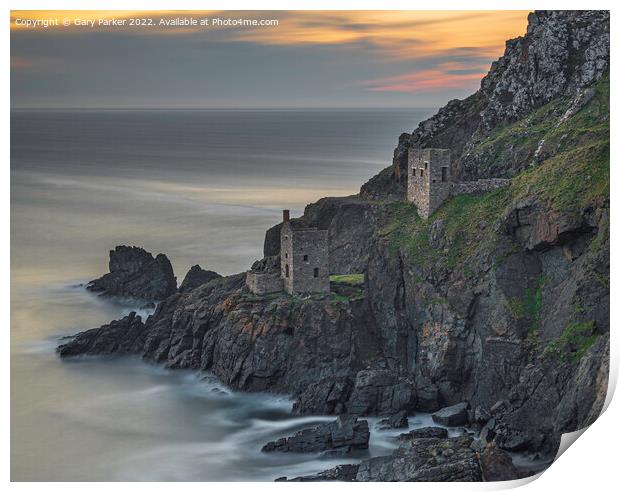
column 393, row 34
column 444, row 76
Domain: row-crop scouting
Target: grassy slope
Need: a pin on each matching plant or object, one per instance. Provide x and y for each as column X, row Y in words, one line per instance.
column 573, row 178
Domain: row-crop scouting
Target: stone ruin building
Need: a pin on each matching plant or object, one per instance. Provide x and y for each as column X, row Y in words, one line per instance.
column 303, row 263
column 430, row 181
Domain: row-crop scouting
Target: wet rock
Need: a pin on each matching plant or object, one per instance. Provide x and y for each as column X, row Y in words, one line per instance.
column 345, row 434
column 134, row 273
column 397, row 421
column 380, row 391
column 497, row 465
column 195, row 277
column 425, row 460
column 487, row 433
column 340, row 473
column 424, row 433
column 481, row 415
column 124, row 336
column 328, row 396
column 452, row 416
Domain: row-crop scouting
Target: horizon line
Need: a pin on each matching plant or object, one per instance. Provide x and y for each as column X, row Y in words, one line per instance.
column 218, row 108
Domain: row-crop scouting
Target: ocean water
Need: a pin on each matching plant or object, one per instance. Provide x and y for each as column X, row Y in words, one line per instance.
column 202, row 187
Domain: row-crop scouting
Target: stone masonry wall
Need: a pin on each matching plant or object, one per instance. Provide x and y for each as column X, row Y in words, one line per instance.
column 263, row 282
column 430, row 180
column 306, row 253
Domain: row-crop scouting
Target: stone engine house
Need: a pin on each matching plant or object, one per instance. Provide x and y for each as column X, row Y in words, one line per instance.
column 430, row 181
column 303, row 265
column 304, row 258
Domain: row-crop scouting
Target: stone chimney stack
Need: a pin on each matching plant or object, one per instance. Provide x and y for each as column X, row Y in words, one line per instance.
column 286, row 216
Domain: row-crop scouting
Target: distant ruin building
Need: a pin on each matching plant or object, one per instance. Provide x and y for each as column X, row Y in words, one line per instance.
column 430, row 181
column 304, row 258
column 303, row 265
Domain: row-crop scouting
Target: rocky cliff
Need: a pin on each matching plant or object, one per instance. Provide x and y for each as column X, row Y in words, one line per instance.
column 499, row 299
column 135, row 273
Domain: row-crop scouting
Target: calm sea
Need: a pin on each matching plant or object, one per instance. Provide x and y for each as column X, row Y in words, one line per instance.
column 202, row 187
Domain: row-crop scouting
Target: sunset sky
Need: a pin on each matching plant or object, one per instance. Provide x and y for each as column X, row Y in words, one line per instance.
column 309, row 59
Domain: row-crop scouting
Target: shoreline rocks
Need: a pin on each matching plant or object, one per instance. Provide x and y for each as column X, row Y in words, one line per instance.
column 134, row 273
column 119, row 337
column 453, row 416
column 342, row 436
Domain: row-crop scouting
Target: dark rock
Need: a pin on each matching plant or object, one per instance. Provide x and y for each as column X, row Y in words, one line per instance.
column 328, row 396
column 124, row 336
column 424, row 433
column 452, row 416
column 340, row 473
column 487, row 434
column 428, row 398
column 134, row 273
column 195, row 277
column 344, row 434
column 380, row 391
column 397, row 421
column 497, row 465
column 481, row 415
column 425, row 460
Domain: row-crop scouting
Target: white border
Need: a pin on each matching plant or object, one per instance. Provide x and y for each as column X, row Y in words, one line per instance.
column 591, row 464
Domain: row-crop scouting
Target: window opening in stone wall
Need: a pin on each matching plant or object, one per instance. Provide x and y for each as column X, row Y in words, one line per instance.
column 316, row 273
column 305, row 257
column 444, row 174
column 286, row 270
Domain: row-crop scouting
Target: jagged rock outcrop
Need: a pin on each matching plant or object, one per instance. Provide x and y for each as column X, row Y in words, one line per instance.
column 253, row 343
column 121, row 337
column 561, row 55
column 134, row 273
column 195, row 277
column 342, row 436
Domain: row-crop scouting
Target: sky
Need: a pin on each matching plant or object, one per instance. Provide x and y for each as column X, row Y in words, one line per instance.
column 319, row 59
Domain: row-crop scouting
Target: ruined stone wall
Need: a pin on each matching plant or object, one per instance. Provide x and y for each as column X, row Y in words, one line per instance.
column 264, row 282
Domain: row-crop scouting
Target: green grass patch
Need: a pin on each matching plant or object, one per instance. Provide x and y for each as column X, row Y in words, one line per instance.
column 352, row 278
column 462, row 234
column 573, row 343
column 574, row 178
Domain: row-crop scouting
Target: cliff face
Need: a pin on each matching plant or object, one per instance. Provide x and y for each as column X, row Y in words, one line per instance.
column 500, row 299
